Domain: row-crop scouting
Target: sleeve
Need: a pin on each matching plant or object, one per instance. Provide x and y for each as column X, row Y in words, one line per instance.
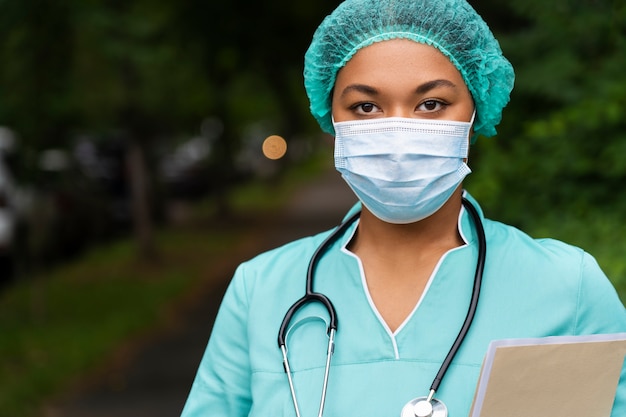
column 601, row 311
column 222, row 384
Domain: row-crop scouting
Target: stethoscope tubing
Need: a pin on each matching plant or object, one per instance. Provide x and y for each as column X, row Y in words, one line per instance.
column 478, row 277
column 311, row 296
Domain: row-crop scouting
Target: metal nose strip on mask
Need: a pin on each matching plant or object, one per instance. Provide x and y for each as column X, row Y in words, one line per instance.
column 401, row 124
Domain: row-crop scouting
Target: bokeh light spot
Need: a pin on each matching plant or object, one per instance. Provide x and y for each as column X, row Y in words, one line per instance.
column 274, row 147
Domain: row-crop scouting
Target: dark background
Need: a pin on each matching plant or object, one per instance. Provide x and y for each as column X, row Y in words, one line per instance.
column 118, row 107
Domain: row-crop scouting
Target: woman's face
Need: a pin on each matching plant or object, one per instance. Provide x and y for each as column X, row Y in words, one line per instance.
column 400, row 78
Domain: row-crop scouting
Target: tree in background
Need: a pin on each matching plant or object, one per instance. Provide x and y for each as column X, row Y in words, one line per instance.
column 563, row 135
column 35, row 39
column 110, row 69
column 149, row 72
column 132, row 75
column 142, row 74
column 254, row 55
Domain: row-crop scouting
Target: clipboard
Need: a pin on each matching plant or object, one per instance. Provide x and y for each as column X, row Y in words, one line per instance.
column 557, row 376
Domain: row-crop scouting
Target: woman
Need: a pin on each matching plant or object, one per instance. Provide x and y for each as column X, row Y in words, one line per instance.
column 405, row 86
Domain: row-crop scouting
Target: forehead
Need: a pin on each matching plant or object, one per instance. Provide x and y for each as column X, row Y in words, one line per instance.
column 398, row 60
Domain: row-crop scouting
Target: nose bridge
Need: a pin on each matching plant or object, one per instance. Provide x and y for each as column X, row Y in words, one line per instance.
column 401, row 109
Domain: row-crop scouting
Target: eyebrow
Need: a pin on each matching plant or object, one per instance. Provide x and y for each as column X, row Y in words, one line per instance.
column 360, row 88
column 431, row 85
column 422, row 89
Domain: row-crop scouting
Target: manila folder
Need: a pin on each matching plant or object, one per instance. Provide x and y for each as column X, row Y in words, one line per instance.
column 557, row 376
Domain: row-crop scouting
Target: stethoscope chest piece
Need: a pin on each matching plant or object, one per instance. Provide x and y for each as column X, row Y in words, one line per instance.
column 422, row 407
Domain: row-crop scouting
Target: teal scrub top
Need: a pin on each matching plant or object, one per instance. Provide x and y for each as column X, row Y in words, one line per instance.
column 531, row 288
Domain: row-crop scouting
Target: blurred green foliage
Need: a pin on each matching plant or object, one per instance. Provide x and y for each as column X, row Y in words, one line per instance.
column 556, row 167
column 145, row 76
column 152, row 68
column 159, row 68
column 155, row 70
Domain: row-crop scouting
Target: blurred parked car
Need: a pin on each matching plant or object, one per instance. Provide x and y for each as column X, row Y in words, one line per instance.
column 74, row 208
column 8, row 216
column 185, row 170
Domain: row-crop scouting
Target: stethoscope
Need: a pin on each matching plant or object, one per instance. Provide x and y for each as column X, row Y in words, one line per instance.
column 427, row 406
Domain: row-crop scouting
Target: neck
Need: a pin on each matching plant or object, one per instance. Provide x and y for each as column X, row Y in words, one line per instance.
column 398, row 260
column 437, row 232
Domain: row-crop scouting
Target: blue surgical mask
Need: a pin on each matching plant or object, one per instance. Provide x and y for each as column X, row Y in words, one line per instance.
column 403, row 170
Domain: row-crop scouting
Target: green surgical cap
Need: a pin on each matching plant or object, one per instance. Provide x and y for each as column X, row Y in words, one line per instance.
column 451, row 26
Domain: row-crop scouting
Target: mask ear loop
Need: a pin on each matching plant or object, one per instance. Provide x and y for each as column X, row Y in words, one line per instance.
column 469, row 138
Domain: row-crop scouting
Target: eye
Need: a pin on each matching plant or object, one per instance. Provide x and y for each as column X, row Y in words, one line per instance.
column 365, row 108
column 431, row 106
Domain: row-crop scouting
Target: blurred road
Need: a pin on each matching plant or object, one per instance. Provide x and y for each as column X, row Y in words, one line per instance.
column 154, row 378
